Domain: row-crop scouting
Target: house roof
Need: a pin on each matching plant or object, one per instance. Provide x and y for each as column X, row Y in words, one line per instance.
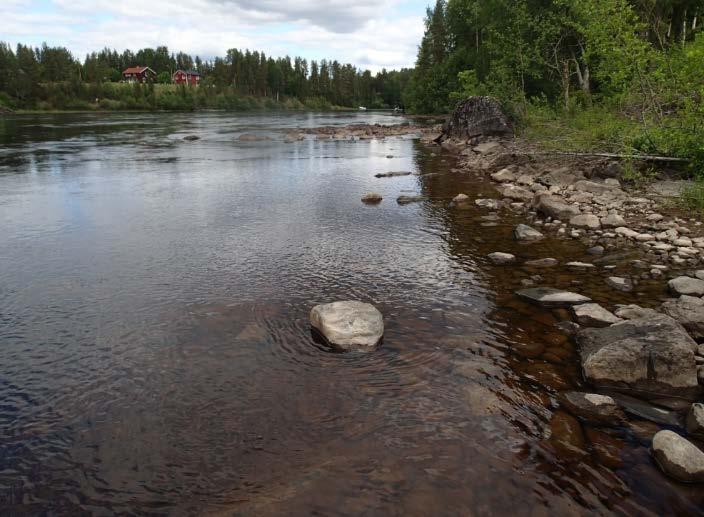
column 187, row 72
column 136, row 69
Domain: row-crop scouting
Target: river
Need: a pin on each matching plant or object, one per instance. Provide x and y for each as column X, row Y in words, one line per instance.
column 156, row 355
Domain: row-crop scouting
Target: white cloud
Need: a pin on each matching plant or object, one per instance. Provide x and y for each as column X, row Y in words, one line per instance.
column 368, row 33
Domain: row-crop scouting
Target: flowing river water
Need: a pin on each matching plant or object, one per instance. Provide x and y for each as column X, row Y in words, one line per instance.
column 156, row 355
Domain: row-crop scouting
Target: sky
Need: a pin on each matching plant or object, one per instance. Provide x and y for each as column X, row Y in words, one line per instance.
column 371, row 34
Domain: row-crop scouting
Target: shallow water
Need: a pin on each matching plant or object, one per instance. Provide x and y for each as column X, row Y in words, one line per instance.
column 156, row 356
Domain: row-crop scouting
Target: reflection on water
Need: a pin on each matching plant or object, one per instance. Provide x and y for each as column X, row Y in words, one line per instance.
column 157, row 358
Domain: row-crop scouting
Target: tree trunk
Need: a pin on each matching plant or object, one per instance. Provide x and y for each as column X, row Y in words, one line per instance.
column 684, row 28
column 566, row 82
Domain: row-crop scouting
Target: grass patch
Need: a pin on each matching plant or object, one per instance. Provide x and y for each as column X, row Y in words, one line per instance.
column 586, row 130
column 693, row 197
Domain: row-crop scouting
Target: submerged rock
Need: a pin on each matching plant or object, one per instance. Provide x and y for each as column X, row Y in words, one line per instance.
column 566, row 434
column 594, row 315
column 523, row 232
column 607, row 448
column 545, row 262
column 372, row 198
column 580, row 265
column 460, row 198
column 549, row 297
column 393, row 174
column 654, row 355
column 592, row 408
column 499, row 258
column 620, row 284
column 491, row 204
column 350, row 325
column 405, row 200
column 647, row 411
column 678, row 457
column 191, row 138
column 253, row 138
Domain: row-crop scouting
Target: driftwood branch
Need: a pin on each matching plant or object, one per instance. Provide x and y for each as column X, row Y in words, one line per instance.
column 644, row 157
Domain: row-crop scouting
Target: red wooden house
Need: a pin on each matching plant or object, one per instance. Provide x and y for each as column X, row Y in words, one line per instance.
column 138, row 74
column 189, row 77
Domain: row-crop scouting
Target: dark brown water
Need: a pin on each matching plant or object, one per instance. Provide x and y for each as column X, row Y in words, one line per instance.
column 156, row 356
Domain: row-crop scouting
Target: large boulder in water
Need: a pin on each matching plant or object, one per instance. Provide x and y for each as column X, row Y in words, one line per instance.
column 477, row 116
column 349, row 325
column 653, row 355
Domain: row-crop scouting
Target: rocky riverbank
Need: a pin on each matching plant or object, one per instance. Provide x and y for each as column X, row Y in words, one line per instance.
column 638, row 360
column 369, row 131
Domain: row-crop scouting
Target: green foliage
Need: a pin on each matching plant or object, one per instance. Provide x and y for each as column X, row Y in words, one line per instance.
column 612, row 75
column 163, row 78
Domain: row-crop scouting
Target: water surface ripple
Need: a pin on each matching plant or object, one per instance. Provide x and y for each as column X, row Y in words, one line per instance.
column 156, row 356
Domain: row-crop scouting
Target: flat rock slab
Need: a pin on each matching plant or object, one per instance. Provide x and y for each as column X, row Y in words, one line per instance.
column 594, row 315
column 350, row 325
column 654, row 355
column 550, row 297
column 678, row 457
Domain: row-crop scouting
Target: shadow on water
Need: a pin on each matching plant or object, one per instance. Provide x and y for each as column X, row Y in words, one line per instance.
column 157, row 356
